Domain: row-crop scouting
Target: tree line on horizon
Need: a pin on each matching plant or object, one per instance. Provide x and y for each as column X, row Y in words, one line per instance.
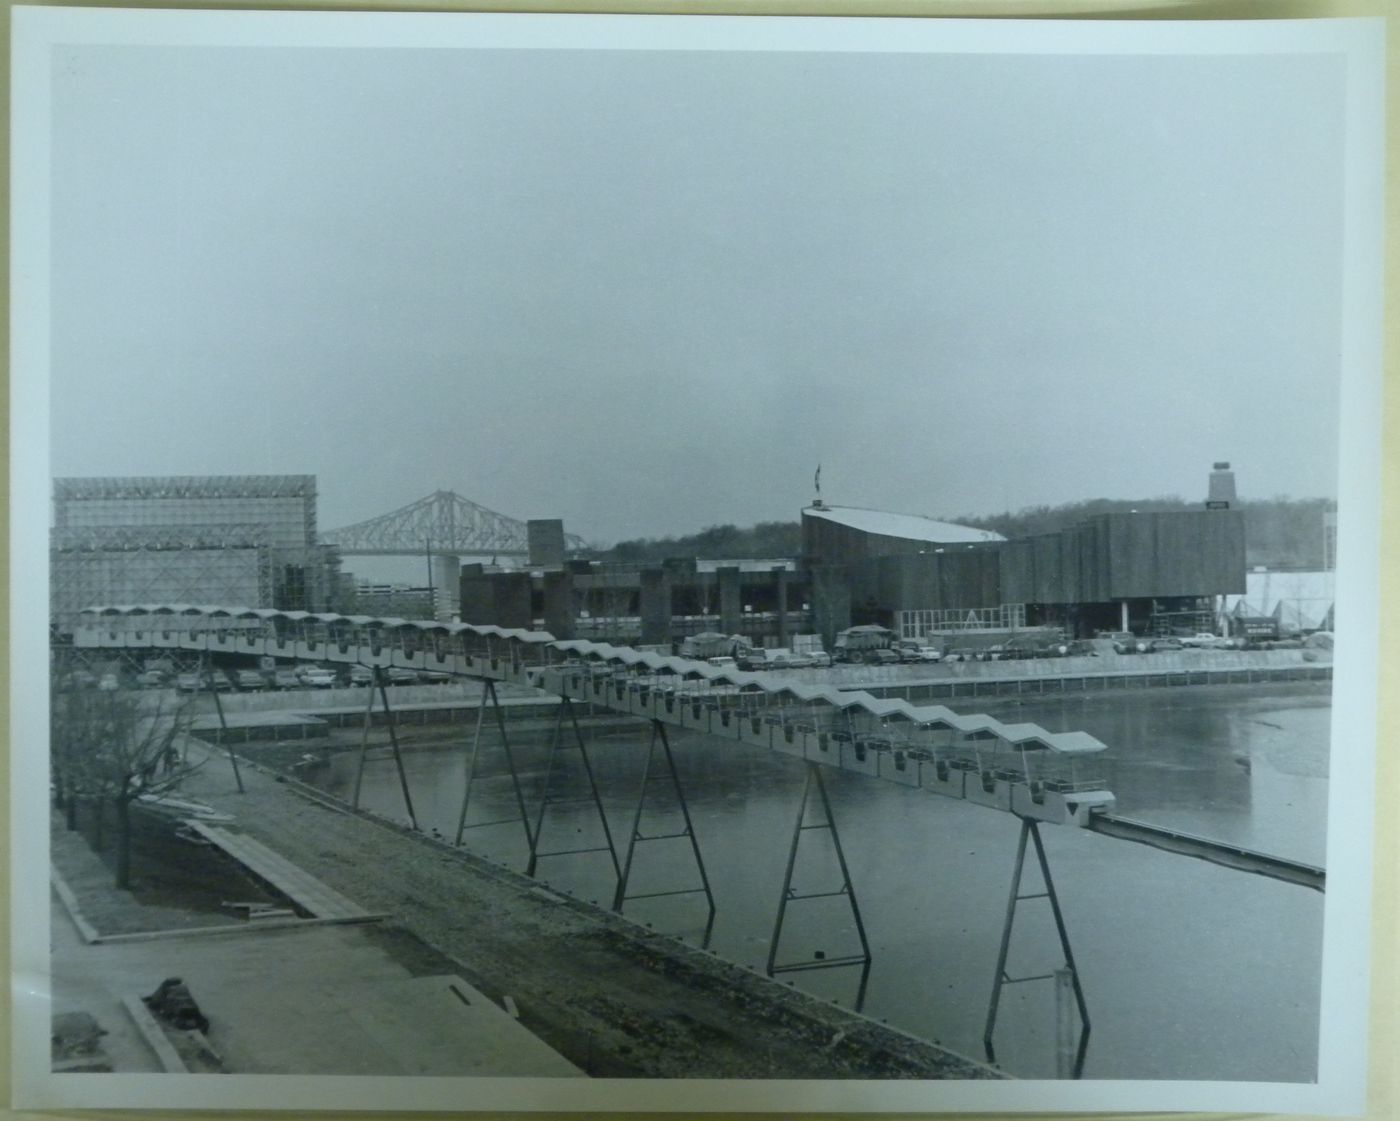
column 1279, row 532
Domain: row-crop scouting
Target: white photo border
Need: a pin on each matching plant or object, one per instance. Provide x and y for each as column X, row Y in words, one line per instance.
column 1340, row 1088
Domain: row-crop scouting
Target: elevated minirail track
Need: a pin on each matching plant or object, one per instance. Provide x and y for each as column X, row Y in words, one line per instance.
column 1016, row 767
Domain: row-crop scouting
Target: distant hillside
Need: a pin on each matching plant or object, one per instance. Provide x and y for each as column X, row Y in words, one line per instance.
column 1279, row 532
column 718, row 542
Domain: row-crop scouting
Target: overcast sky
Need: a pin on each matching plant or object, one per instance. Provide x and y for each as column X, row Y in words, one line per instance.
column 650, row 292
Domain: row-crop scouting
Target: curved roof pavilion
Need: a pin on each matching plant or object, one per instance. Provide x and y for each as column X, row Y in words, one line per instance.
column 912, row 527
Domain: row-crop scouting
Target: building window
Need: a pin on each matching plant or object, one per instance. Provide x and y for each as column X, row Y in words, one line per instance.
column 922, row 623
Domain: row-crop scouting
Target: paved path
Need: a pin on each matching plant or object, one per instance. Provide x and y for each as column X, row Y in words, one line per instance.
column 300, row 886
column 309, row 1000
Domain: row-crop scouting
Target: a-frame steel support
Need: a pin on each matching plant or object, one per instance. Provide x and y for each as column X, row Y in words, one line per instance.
column 1029, row 828
column 636, row 837
column 549, row 798
column 207, row 678
column 377, row 682
column 847, row 889
column 488, row 693
column 364, row 744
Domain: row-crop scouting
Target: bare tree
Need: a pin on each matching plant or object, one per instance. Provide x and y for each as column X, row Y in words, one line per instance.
column 112, row 747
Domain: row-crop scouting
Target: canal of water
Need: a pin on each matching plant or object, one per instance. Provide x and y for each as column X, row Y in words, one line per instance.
column 1190, row 971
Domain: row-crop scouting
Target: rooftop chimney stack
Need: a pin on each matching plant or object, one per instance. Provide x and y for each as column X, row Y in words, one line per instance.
column 1222, row 488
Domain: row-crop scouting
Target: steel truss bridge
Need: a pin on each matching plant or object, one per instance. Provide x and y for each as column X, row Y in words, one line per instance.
column 1020, row 769
column 442, row 524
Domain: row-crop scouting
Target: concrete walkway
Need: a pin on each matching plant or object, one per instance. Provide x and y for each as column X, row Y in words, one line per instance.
column 304, row 889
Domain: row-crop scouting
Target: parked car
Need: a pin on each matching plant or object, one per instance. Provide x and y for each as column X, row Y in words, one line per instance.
column 401, row 675
column 1201, row 639
column 930, row 654
column 250, row 680
column 1125, row 642
column 285, row 679
column 819, row 658
column 150, row 679
column 318, row 677
column 221, row 681
column 723, row 662
column 361, row 675
column 1158, row 645
column 884, row 657
column 1083, row 648
column 908, row 650
column 109, row 683
column 435, row 677
column 191, row 682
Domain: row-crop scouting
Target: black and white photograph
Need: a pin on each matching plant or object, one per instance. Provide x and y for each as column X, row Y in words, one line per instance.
column 693, row 563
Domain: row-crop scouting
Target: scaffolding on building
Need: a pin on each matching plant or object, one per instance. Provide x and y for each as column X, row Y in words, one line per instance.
column 190, row 539
column 156, row 564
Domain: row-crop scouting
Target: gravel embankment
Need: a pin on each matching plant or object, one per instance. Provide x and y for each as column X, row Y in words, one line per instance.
column 615, row 998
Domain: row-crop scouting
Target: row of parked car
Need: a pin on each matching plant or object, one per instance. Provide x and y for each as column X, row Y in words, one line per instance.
column 1127, row 643
column 1016, row 651
column 756, row 660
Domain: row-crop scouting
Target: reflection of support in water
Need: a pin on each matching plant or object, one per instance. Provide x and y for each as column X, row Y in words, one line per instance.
column 658, row 730
column 207, row 678
column 548, row 798
column 1030, row 828
column 488, row 691
column 828, row 823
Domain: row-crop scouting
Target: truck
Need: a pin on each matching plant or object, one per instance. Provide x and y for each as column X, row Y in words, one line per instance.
column 712, row 644
column 854, row 643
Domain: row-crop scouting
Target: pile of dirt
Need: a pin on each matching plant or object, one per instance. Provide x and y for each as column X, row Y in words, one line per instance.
column 77, row 1045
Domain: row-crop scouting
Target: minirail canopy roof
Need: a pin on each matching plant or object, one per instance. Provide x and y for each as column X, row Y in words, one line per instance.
column 977, row 726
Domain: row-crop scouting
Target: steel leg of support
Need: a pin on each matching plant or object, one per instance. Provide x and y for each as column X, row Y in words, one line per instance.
column 592, row 784
column 635, row 831
column 847, row 889
column 544, row 794
column 1079, row 1000
column 364, row 740
column 689, row 832
column 510, row 762
column 658, row 730
column 394, row 744
column 471, row 767
column 223, row 726
column 1030, row 829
